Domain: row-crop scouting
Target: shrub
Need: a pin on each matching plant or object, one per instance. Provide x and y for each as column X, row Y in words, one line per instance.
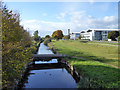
column 118, row 38
column 112, row 35
column 66, row 37
column 33, row 49
column 16, row 50
column 46, row 41
column 80, row 36
column 47, row 36
column 105, row 40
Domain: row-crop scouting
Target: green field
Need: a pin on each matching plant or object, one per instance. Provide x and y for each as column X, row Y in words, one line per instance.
column 87, row 50
column 91, row 60
column 103, row 43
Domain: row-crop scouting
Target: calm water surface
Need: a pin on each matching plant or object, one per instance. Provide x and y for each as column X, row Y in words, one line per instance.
column 55, row 77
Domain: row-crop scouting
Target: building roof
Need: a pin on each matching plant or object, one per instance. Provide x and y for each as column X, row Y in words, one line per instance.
column 86, row 31
column 75, row 32
column 105, row 29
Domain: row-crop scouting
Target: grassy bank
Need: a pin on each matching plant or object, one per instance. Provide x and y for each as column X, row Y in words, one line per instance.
column 90, row 62
column 105, row 42
column 87, row 50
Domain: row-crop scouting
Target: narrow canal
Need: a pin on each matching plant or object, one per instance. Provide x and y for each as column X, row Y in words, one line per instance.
column 48, row 74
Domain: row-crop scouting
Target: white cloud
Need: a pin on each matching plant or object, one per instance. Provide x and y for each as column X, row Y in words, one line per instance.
column 77, row 21
column 44, row 27
column 91, row 1
column 109, row 18
column 61, row 16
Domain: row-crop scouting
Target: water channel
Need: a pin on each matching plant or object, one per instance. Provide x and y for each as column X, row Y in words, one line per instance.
column 48, row 74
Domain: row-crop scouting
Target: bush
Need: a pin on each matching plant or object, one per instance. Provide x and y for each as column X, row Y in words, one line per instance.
column 66, row 37
column 105, row 40
column 46, row 41
column 80, row 37
column 112, row 35
column 47, row 36
column 16, row 50
column 33, row 49
column 118, row 38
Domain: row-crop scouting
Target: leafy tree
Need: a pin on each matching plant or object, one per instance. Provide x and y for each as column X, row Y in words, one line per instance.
column 15, row 51
column 46, row 41
column 35, row 33
column 80, row 36
column 57, row 34
column 118, row 38
column 26, row 40
column 112, row 35
column 36, row 37
column 47, row 36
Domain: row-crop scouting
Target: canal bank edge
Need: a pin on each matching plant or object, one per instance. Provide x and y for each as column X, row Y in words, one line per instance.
column 94, row 74
column 83, row 79
column 68, row 64
column 24, row 71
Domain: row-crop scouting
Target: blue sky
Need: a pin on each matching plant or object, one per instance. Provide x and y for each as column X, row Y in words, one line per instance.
column 50, row 16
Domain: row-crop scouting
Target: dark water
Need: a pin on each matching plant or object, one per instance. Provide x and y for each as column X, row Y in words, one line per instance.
column 48, row 74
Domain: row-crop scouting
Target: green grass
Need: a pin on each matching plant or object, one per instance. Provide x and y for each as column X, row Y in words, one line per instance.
column 103, row 53
column 90, row 62
column 110, row 43
column 95, row 74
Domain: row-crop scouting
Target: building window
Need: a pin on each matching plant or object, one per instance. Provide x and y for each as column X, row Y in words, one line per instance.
column 98, row 35
column 105, row 32
column 77, row 34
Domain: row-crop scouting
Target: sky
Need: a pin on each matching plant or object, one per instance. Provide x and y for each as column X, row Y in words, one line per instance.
column 47, row 17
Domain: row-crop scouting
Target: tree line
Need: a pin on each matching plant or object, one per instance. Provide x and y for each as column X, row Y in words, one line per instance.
column 17, row 47
column 113, row 35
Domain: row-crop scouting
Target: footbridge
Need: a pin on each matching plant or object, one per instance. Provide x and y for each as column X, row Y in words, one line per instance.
column 37, row 57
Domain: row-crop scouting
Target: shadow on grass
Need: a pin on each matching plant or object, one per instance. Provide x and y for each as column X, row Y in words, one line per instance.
column 88, row 57
column 84, row 41
column 98, row 76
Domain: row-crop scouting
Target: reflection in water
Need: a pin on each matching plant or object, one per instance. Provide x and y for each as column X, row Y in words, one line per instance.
column 43, row 62
column 47, row 74
column 44, row 50
column 50, row 78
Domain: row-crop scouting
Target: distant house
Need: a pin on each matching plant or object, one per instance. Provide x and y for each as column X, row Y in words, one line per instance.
column 93, row 34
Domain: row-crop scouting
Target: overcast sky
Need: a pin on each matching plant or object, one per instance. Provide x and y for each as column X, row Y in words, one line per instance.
column 47, row 17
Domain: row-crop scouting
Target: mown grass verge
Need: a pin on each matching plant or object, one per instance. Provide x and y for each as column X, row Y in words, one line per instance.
column 94, row 72
column 103, row 53
column 110, row 43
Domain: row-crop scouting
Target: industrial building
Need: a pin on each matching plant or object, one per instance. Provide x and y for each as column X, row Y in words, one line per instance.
column 93, row 34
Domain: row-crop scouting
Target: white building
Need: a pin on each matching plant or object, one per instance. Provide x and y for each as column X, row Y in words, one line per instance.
column 74, row 35
column 97, row 34
column 93, row 34
column 86, row 34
